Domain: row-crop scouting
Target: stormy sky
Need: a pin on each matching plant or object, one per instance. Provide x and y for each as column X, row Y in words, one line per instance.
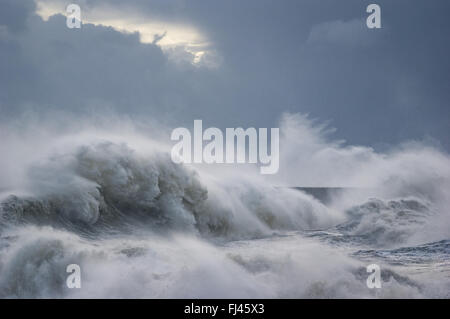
column 234, row 63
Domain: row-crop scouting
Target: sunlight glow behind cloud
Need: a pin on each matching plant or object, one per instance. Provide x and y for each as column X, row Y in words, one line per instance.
column 181, row 42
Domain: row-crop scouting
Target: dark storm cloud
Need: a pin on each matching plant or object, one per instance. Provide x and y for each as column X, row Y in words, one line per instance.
column 316, row 57
column 13, row 13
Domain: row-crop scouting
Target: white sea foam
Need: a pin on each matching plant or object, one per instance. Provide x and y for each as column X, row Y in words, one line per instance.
column 139, row 225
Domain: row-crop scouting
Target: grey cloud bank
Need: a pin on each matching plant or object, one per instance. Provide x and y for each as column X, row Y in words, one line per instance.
column 377, row 87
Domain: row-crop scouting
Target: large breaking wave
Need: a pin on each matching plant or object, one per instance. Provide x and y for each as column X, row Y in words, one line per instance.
column 109, row 186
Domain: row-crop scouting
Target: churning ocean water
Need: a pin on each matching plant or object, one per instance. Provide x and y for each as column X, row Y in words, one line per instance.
column 140, row 226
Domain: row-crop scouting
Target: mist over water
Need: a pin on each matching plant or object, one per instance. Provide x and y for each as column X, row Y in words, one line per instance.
column 107, row 196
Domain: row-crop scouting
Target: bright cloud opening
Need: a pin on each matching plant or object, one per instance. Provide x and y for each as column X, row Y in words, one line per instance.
column 181, row 42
